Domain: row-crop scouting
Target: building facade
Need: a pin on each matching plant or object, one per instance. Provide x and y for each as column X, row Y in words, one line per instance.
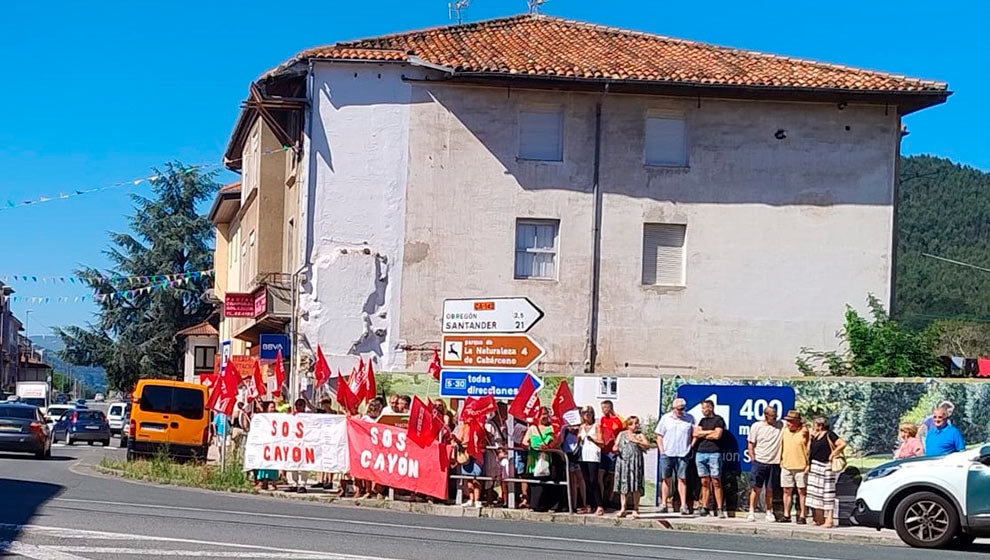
column 10, row 328
column 674, row 208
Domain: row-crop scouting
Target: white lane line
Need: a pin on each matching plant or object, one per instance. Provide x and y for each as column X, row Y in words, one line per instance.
column 36, row 552
column 513, row 536
column 145, row 552
column 83, row 534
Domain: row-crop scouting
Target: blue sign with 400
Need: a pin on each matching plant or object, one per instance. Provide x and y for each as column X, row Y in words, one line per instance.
column 740, row 406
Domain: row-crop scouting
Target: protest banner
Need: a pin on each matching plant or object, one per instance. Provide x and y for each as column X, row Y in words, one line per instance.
column 297, row 442
column 383, row 455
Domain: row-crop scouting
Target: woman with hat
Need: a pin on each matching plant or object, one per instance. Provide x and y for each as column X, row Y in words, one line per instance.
column 794, row 465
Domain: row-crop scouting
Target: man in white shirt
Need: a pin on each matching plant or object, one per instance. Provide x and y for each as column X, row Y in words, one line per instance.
column 764, row 450
column 675, row 432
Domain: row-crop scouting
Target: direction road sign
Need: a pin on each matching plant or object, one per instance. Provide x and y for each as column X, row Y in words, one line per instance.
column 507, row 351
column 490, row 315
column 740, row 406
column 478, row 383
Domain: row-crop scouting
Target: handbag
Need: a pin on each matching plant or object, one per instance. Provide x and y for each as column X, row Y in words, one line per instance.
column 542, row 466
column 838, row 463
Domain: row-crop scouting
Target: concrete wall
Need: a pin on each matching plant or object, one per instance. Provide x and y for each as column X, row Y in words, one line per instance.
column 781, row 233
column 357, row 164
column 415, row 189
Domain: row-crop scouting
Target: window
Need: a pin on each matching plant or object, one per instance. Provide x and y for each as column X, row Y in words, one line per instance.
column 160, row 399
column 541, row 134
column 203, row 357
column 608, row 387
column 536, row 249
column 251, row 238
column 666, row 141
column 663, row 254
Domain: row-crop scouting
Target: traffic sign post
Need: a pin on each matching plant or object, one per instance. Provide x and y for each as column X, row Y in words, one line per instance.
column 490, row 351
column 740, row 406
column 463, row 383
column 490, row 315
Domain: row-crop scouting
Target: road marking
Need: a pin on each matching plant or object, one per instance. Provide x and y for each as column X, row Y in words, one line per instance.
column 512, row 536
column 83, row 534
column 36, row 552
column 145, row 552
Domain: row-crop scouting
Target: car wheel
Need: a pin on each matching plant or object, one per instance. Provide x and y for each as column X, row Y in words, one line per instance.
column 926, row 520
column 106, row 443
column 123, row 441
column 90, row 442
column 54, row 438
column 68, row 439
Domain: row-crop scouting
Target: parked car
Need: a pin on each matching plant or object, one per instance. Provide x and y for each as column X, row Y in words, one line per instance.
column 61, row 399
column 168, row 415
column 80, row 402
column 86, row 425
column 99, row 397
column 55, row 412
column 932, row 502
column 117, row 415
column 23, row 430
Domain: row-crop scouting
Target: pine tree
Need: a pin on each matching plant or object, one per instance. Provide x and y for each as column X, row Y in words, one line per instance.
column 135, row 335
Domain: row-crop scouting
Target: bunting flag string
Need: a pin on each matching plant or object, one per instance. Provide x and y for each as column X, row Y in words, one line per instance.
column 100, row 297
column 151, row 179
column 106, row 279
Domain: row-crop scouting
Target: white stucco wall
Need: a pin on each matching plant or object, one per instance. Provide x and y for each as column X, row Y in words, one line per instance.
column 356, row 180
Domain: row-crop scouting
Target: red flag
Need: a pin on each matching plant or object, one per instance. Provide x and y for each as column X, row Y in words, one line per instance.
column 434, row 368
column 563, row 404
column 279, row 375
column 345, row 397
column 474, row 437
column 230, row 380
column 526, row 404
column 214, row 396
column 358, row 382
column 257, row 388
column 322, row 370
column 477, row 408
column 422, row 429
column 369, row 383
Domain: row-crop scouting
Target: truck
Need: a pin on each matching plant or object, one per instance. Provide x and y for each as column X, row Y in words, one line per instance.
column 35, row 393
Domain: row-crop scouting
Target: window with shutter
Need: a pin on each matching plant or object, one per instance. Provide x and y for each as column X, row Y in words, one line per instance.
column 666, row 141
column 536, row 249
column 541, row 134
column 663, row 254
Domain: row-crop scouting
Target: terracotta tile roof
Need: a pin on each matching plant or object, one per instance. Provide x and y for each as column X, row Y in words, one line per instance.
column 231, row 188
column 543, row 46
column 202, row 329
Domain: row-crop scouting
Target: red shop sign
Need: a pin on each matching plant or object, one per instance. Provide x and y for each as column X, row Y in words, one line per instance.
column 383, row 455
column 260, row 302
column 238, row 305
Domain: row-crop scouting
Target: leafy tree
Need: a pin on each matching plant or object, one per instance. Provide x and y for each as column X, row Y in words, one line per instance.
column 875, row 346
column 134, row 336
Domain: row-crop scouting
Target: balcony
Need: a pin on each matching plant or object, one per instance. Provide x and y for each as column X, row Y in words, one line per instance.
column 265, row 308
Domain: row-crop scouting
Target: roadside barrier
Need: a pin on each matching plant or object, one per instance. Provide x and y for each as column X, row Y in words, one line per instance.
column 512, row 481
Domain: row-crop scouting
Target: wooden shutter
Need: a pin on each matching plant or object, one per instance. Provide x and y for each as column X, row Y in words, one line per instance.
column 663, row 254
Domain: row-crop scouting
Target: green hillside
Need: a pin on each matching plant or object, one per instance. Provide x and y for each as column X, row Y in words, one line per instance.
column 944, row 210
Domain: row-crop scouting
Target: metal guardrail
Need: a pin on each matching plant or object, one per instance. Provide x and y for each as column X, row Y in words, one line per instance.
column 511, row 498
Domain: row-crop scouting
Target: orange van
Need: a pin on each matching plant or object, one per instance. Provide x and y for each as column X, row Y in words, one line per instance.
column 168, row 415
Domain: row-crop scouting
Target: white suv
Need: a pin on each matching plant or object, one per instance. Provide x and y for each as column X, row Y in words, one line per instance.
column 117, row 417
column 931, row 502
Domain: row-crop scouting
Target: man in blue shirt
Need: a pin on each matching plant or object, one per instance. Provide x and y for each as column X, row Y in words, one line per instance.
column 943, row 438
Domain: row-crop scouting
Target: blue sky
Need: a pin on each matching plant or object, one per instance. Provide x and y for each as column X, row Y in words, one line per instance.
column 98, row 92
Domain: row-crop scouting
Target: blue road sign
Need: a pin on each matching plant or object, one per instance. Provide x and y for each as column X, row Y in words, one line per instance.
column 460, row 383
column 740, row 406
column 272, row 343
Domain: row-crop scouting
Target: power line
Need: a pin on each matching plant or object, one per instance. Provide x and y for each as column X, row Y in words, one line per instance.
column 959, row 263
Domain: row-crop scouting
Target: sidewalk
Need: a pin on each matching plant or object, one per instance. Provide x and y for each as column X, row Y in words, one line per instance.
column 649, row 519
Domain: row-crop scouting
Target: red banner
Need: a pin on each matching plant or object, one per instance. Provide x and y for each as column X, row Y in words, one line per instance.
column 382, row 454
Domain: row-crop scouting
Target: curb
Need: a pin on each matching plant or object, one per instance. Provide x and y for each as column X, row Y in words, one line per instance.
column 672, row 524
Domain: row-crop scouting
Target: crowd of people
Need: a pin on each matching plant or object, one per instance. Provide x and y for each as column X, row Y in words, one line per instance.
column 602, row 459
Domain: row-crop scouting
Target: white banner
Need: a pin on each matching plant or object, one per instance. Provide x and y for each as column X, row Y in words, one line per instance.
column 297, row 442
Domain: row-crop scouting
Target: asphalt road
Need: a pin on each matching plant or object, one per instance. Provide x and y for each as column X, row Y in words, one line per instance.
column 55, row 510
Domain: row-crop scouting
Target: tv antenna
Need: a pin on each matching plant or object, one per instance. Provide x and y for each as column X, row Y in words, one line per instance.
column 455, row 8
column 534, row 5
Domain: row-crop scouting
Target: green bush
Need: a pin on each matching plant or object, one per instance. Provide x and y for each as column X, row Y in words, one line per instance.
column 165, row 470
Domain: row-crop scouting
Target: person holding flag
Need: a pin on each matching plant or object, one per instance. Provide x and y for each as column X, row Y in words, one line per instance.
column 471, row 439
column 542, row 466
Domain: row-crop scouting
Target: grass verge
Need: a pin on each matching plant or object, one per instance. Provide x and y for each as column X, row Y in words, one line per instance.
column 163, row 470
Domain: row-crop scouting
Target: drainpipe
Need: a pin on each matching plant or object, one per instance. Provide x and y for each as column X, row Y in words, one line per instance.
column 596, row 234
column 306, row 168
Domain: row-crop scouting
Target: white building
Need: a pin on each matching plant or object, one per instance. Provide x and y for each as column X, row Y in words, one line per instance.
column 673, row 207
